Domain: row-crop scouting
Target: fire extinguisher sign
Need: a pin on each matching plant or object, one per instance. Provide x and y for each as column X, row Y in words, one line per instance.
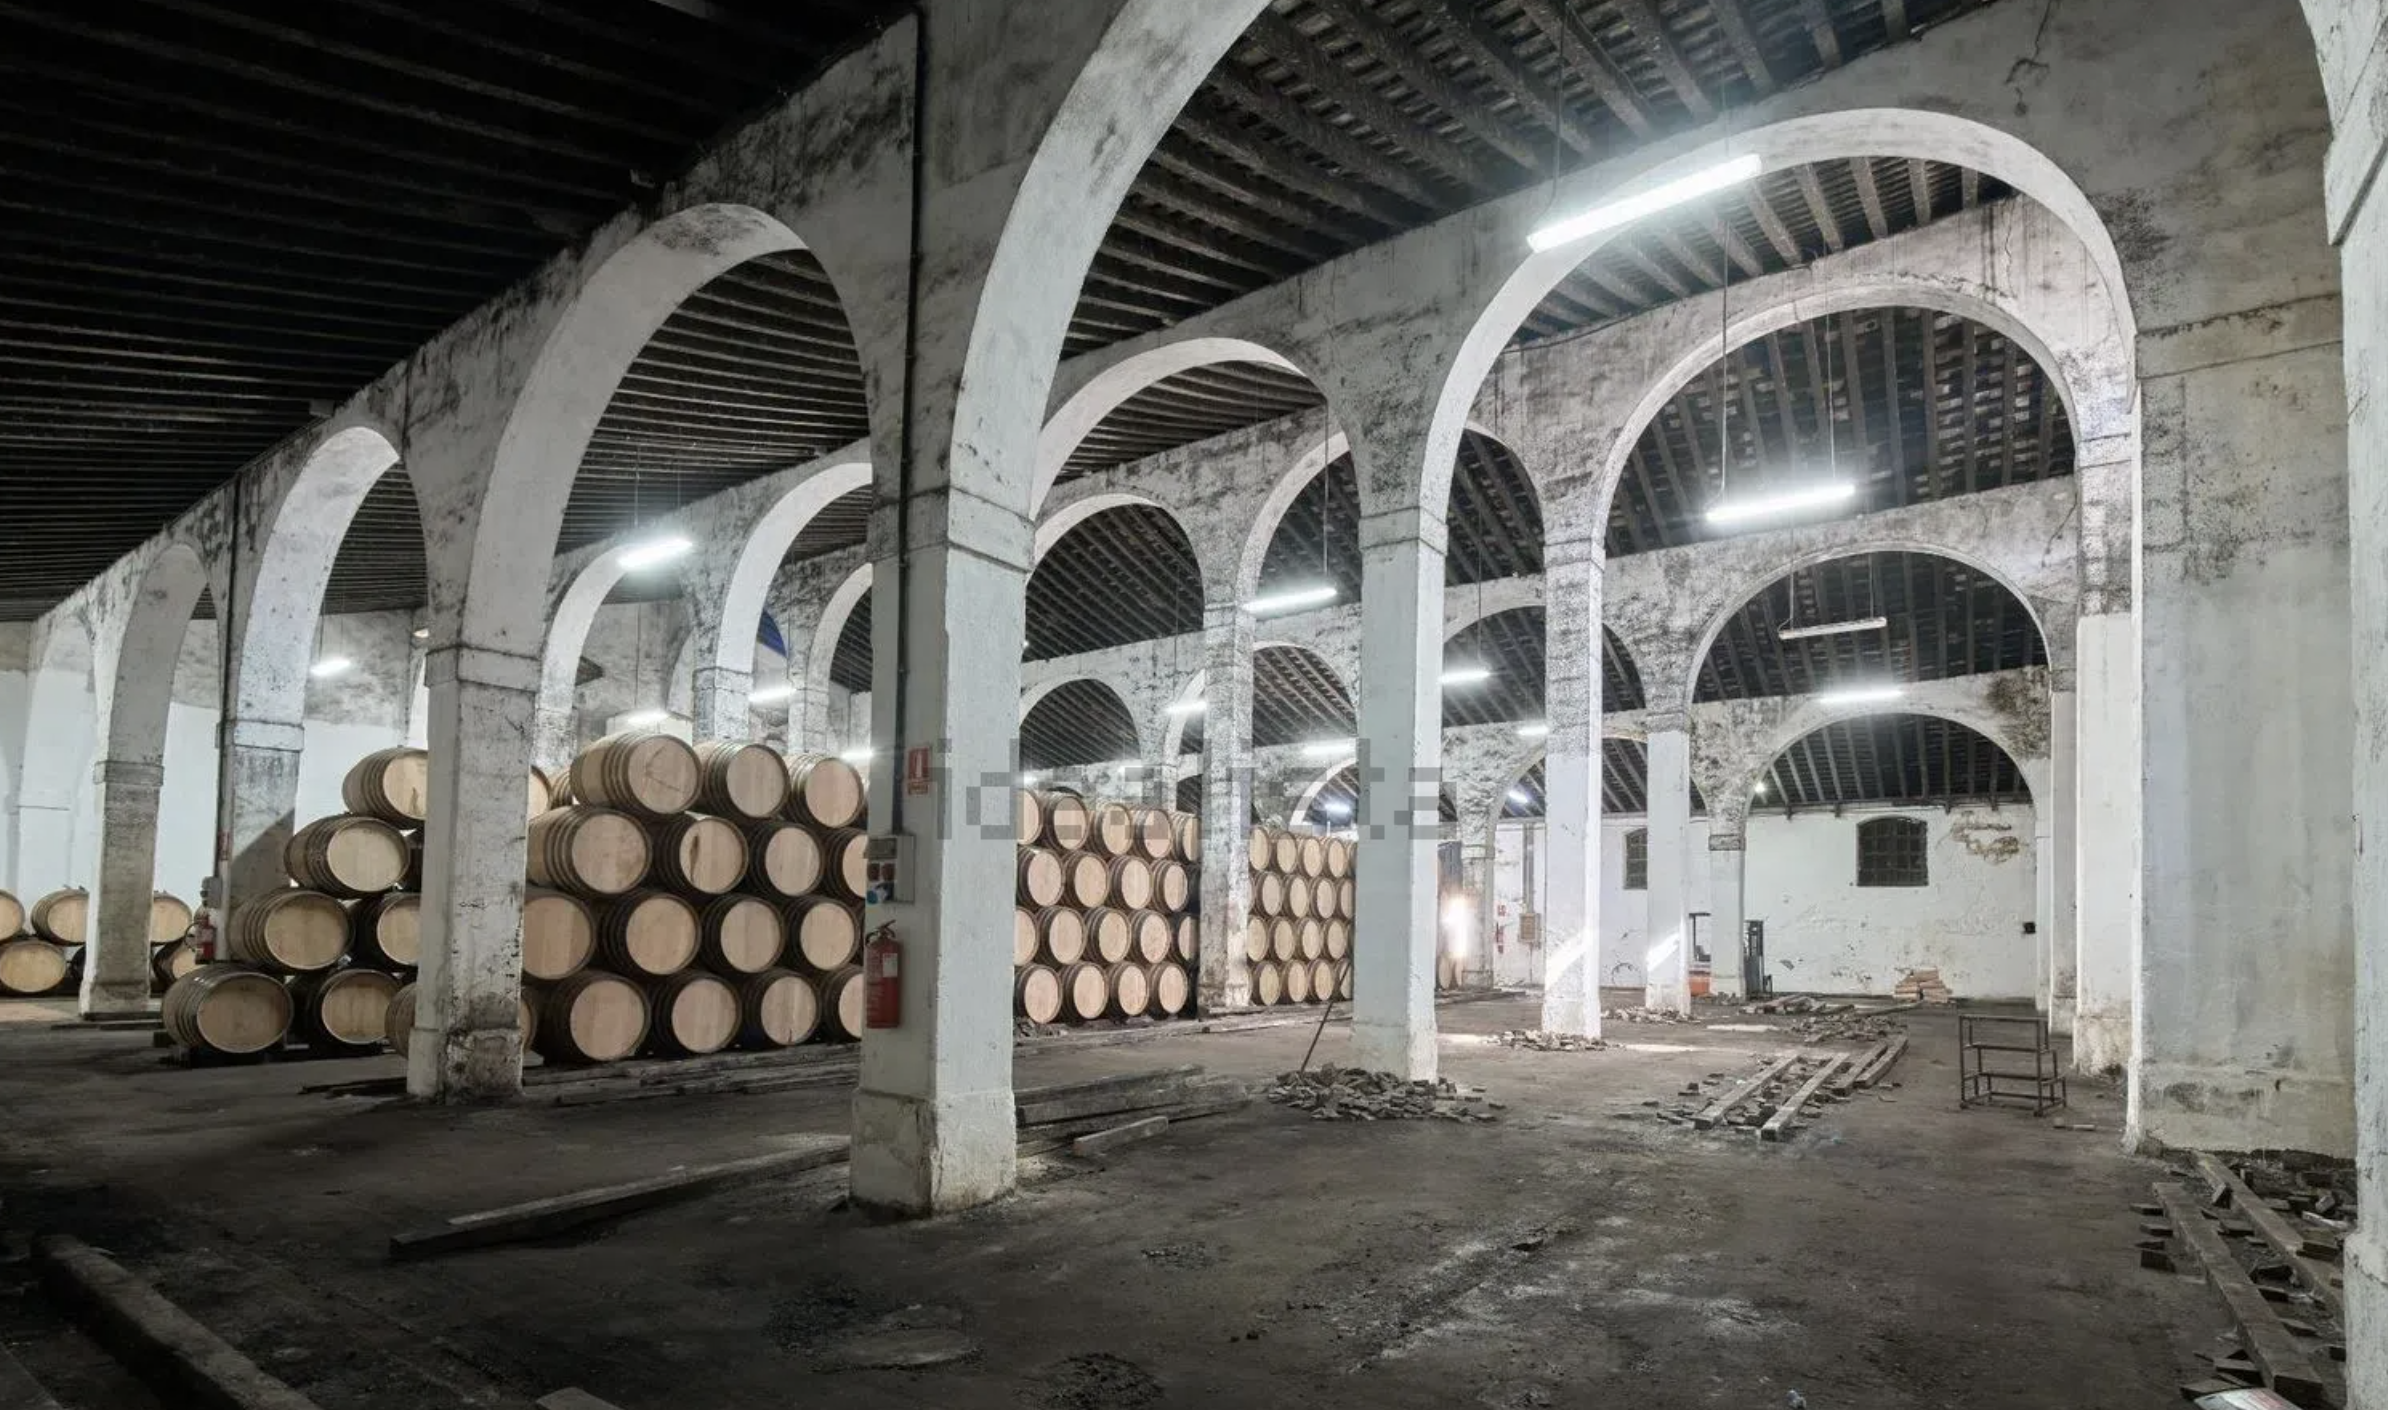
column 917, row 761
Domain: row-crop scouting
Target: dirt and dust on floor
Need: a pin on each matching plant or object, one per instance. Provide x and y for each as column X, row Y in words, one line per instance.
column 1552, row 1245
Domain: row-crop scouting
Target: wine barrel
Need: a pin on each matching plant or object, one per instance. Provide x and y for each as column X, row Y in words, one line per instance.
column 173, row 960
column 1186, row 837
column 842, row 1003
column 539, row 791
column 1173, row 886
column 1260, row 848
column 1024, row 938
column 1297, row 896
column 778, row 1008
column 1322, row 979
column 824, row 790
column 848, row 873
column 12, row 916
column 297, row 932
column 1171, row 989
column 1061, row 934
column 386, row 931
column 1285, row 938
column 693, row 1014
column 169, row 918
column 413, row 880
column 1446, row 972
column 1068, row 821
column 1131, row 882
column 346, row 855
column 227, row 1008
column 1156, row 833
column 1110, row 938
column 641, row 772
column 1041, row 878
column 1256, row 938
column 1347, row 899
column 31, row 966
column 1188, row 938
column 1338, row 939
column 1310, row 938
column 1085, row 991
column 1297, row 982
column 592, row 1017
column 1313, row 858
column 1151, row 934
column 823, row 933
column 1268, row 893
column 1339, row 858
column 740, row 936
column 1087, row 879
column 393, row 785
column 1343, row 980
column 1036, row 994
column 744, row 781
column 399, row 1030
column 559, row 934
column 699, row 855
column 1113, row 831
column 343, row 1008
column 1131, row 988
column 648, row 935
column 588, row 850
column 1268, row 983
column 63, row 917
column 1028, row 816
column 1285, row 851
column 784, row 859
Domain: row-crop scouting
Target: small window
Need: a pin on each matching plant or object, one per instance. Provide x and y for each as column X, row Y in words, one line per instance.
column 1890, row 852
column 1637, row 859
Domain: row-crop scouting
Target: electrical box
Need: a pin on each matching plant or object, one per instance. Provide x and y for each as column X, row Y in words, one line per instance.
column 887, row 870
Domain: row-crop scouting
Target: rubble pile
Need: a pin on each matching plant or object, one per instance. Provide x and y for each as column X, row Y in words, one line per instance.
column 1541, row 1042
column 1354, row 1094
column 1642, row 1015
column 1846, row 1028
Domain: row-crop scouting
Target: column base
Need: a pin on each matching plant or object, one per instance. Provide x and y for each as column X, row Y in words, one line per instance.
column 2242, row 1109
column 2101, row 1040
column 2060, row 1016
column 105, row 1001
column 1407, row 1050
column 1667, row 998
column 915, row 1157
column 476, row 1065
column 2366, row 1280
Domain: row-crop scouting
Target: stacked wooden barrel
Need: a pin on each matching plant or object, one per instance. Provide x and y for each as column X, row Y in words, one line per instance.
column 1298, row 940
column 41, row 946
column 1105, row 918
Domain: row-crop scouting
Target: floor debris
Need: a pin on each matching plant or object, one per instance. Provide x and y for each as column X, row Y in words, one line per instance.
column 1351, row 1094
column 1543, row 1042
column 1644, row 1015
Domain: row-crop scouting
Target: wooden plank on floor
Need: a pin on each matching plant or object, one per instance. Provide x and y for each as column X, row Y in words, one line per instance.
column 572, row 1398
column 2284, row 1237
column 18, row 1389
column 140, row 1327
column 1857, row 1063
column 540, row 1218
column 1096, row 1142
column 1722, row 1107
column 1882, row 1065
column 1777, row 1124
column 2287, row 1369
column 1126, row 1092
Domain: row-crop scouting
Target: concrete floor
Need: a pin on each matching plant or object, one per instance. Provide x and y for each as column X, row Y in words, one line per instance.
column 1900, row 1254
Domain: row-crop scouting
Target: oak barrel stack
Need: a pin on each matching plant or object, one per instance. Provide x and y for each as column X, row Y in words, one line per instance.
column 1105, row 887
column 1298, row 942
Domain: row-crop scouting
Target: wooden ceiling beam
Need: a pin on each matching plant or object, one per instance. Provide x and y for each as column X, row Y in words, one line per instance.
column 1285, row 41
column 1240, row 88
column 1894, row 21
column 1180, row 172
column 1770, row 221
column 1828, row 39
column 1735, row 26
column 1919, row 188
column 1573, row 41
column 1703, row 268
column 1650, row 33
column 1389, row 48
column 1819, row 209
column 1493, row 57
column 1869, row 196
column 1278, row 165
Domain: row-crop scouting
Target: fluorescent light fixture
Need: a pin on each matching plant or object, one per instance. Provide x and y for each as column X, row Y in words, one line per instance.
column 1760, row 790
column 1336, row 808
column 1628, row 209
column 1326, row 748
column 771, row 695
column 1028, row 780
column 1286, row 601
column 331, row 666
column 1520, row 797
column 1188, row 707
column 654, row 551
column 859, row 756
column 1862, row 695
column 422, row 633
column 1868, row 624
column 1458, row 919
column 1533, row 731
column 1467, row 675
column 642, row 718
column 1743, row 511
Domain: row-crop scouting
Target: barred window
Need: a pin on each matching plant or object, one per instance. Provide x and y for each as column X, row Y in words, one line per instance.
column 1637, row 859
column 1890, row 852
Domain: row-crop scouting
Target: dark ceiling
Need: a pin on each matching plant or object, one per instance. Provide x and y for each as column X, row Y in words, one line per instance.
column 1624, row 784
column 1295, row 699
column 1892, row 758
column 1077, row 722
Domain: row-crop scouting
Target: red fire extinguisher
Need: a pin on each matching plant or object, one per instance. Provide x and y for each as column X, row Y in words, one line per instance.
column 203, row 935
column 882, row 980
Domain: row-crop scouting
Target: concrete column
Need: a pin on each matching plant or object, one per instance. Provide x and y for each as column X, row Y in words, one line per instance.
column 1401, row 747
column 2058, row 834
column 1571, row 787
column 555, row 737
column 1668, row 968
column 1726, row 908
column 721, row 710
column 2106, row 867
column 256, row 795
column 933, row 1127
column 1227, row 635
column 116, row 962
column 467, row 1044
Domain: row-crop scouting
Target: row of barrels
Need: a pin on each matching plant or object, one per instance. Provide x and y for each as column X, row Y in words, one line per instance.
column 641, row 772
column 1089, row 879
column 1059, row 820
column 1290, row 854
column 597, row 852
column 39, row 944
column 1103, row 923
column 1086, row 991
column 1300, row 981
